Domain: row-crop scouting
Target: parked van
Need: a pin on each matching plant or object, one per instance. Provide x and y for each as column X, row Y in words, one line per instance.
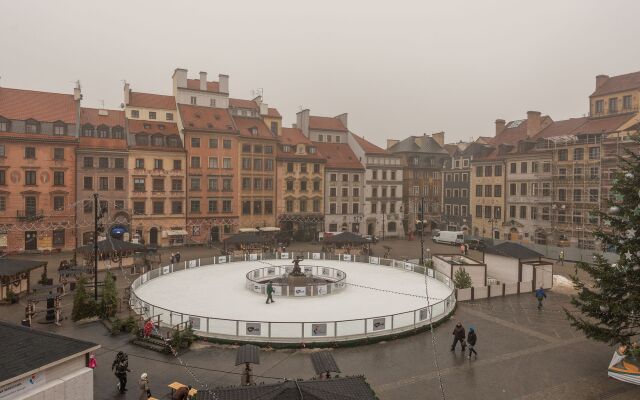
column 449, row 237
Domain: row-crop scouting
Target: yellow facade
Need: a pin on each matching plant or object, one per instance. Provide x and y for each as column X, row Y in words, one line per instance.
column 487, row 201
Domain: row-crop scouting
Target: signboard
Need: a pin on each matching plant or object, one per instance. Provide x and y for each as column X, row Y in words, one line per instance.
column 315, row 256
column 307, row 270
column 300, row 291
column 408, row 266
column 253, row 257
column 319, row 329
column 430, row 272
column 346, row 257
column 256, row 273
column 271, row 271
column 325, row 271
column 424, row 314
column 374, row 260
column 166, row 270
column 253, row 328
column 322, row 289
column 379, row 324
column 222, row 259
column 284, row 255
column 16, row 389
column 193, row 263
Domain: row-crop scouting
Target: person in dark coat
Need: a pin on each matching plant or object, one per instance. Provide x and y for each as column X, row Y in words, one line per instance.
column 181, row 394
column 178, row 256
column 270, row 293
column 458, row 336
column 121, row 366
column 540, row 295
column 472, row 338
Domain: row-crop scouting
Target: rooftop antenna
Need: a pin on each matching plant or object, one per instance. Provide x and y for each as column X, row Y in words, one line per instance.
column 257, row 92
column 102, row 102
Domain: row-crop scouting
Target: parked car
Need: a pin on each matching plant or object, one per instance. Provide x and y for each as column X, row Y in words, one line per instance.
column 476, row 244
column 372, row 238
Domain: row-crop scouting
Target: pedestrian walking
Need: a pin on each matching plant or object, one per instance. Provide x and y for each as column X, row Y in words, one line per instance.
column 173, row 258
column 540, row 295
column 458, row 336
column 270, row 293
column 462, row 249
column 472, row 338
column 121, row 366
column 561, row 257
column 178, row 256
column 145, row 390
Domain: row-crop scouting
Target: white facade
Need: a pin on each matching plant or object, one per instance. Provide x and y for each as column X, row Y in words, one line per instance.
column 200, row 97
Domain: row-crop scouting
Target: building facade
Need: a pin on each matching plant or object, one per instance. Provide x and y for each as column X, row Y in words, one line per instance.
column 456, row 188
column 102, row 167
column 38, row 141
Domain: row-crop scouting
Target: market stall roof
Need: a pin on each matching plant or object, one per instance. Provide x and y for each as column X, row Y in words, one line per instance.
column 269, row 229
column 14, row 266
column 323, row 362
column 513, row 250
column 246, row 230
column 346, row 237
column 245, row 238
column 110, row 246
column 248, row 353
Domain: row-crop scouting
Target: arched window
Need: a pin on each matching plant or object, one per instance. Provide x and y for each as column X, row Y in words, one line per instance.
column 32, row 126
column 173, row 141
column 103, row 131
column 142, row 140
column 87, row 130
column 157, row 140
column 117, row 132
column 59, row 128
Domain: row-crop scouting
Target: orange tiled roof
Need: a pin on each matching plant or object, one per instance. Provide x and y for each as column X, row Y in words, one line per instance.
column 194, row 84
column 516, row 131
column 603, row 125
column 619, row 83
column 293, row 137
column 92, row 116
column 242, row 103
column 273, row 113
column 150, row 100
column 561, row 128
column 246, row 124
column 367, row 146
column 339, row 156
column 206, row 118
column 22, row 104
column 326, row 124
column 151, row 127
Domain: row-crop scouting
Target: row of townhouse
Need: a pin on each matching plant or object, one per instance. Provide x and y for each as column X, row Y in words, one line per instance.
column 544, row 181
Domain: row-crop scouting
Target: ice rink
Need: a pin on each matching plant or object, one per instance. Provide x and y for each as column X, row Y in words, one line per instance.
column 218, row 291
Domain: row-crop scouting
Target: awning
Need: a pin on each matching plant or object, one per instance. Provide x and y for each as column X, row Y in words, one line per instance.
column 176, row 232
column 244, row 230
column 269, row 229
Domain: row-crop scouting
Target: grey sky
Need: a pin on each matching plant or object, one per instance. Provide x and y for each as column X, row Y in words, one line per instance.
column 398, row 68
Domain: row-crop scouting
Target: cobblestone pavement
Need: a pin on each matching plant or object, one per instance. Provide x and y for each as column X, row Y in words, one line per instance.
column 523, row 353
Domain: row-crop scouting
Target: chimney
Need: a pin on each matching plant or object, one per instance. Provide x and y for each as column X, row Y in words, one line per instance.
column 180, row 78
column 344, row 119
column 438, row 137
column 203, row 81
column 223, row 83
column 127, row 93
column 302, row 121
column 601, row 79
column 391, row 143
column 77, row 92
column 500, row 125
column 533, row 123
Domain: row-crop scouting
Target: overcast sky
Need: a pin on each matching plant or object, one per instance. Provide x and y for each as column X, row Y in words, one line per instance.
column 398, row 67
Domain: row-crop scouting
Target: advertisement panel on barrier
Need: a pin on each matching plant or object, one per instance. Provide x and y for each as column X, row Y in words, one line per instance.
column 253, row 328
column 379, row 323
column 300, row 291
column 319, row 329
column 284, row 255
column 256, row 273
column 424, row 314
column 144, row 277
column 325, row 271
column 23, row 386
column 408, row 266
column 271, row 271
column 315, row 256
column 195, row 323
column 166, row 269
column 374, row 260
column 222, row 259
column 193, row 263
column 322, row 289
column 307, row 270
column 253, row 257
column 346, row 257
column 257, row 288
column 430, row 272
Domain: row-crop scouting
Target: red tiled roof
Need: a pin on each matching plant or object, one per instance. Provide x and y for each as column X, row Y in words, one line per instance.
column 241, row 103
column 326, row 124
column 151, row 127
column 293, row 137
column 451, row 148
column 339, row 156
column 619, row 83
column 273, row 113
column 99, row 143
column 194, row 84
column 21, row 105
column 206, row 118
column 149, row 100
column 92, row 116
column 603, row 125
column 516, row 131
column 245, row 125
column 367, row 146
column 561, row 128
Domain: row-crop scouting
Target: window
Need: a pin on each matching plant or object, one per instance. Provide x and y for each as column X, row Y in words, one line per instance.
column 487, row 211
column 356, row 178
column 226, row 143
column 479, row 171
column 30, row 152
column 226, row 184
column 158, row 207
column 268, row 184
column 88, row 183
column 593, row 195
column 87, row 162
column 195, row 206
column 195, row 184
column 138, row 185
column 119, row 183
column 257, row 164
column 393, row 191
column 337, row 139
column 512, row 189
column 594, row 153
column 333, row 178
column 316, row 186
column 32, row 127
column 577, row 217
column 512, row 211
column 497, row 212
column 320, row 138
column 4, row 126
column 58, row 203
column 393, row 175
column 546, row 189
column 303, row 186
column 195, row 142
column 103, row 162
column 139, row 207
column 103, row 131
column 545, row 213
column 246, row 163
column 139, row 163
column 626, row 102
column 345, row 208
column 213, row 184
column 3, row 177
column 157, row 164
column 213, row 162
column 213, row 143
column 384, row 175
column 2, row 151
column 246, row 207
column 463, row 193
column 332, row 192
column 599, row 106
column 479, row 211
column 61, row 130
column 562, row 194
column 447, row 209
column 246, row 183
column 135, row 114
column 356, row 192
column 594, row 172
column 534, row 167
column 523, row 189
column 257, row 207
column 355, row 208
column 246, row 148
column 289, row 205
column 578, row 154
column 213, row 206
column 119, row 204
column 316, row 205
column 487, row 191
column 478, row 190
column 523, row 212
column 87, row 206
column 577, row 194
column 193, row 100
column 158, row 184
column 563, row 155
column 513, row 168
column 58, row 178
column 523, row 167
column 169, row 116
column 488, row 170
column 177, row 165
column 345, row 192
column 374, row 208
column 195, row 162
column 497, row 191
column 176, row 207
column 176, row 185
column 58, row 237
column 546, row 167
column 87, row 131
column 58, row 153
column 613, row 105
column 103, row 182
column 345, row 177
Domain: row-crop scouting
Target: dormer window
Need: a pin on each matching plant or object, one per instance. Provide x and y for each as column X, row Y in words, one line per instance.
column 320, row 138
column 135, row 114
column 161, row 127
column 193, row 100
column 87, row 130
column 103, row 131
column 32, row 126
column 312, row 150
column 142, row 140
column 117, row 132
column 157, row 140
column 286, row 148
column 5, row 125
column 337, row 139
column 254, row 131
column 59, row 128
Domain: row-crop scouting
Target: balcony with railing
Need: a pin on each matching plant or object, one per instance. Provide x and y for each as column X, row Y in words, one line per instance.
column 30, row 214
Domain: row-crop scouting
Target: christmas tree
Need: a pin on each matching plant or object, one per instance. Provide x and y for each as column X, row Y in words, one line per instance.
column 609, row 304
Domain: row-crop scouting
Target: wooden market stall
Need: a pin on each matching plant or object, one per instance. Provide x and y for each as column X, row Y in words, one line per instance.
column 15, row 276
column 247, row 243
column 347, row 243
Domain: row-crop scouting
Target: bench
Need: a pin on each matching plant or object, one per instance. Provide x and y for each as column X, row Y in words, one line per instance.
column 177, row 385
